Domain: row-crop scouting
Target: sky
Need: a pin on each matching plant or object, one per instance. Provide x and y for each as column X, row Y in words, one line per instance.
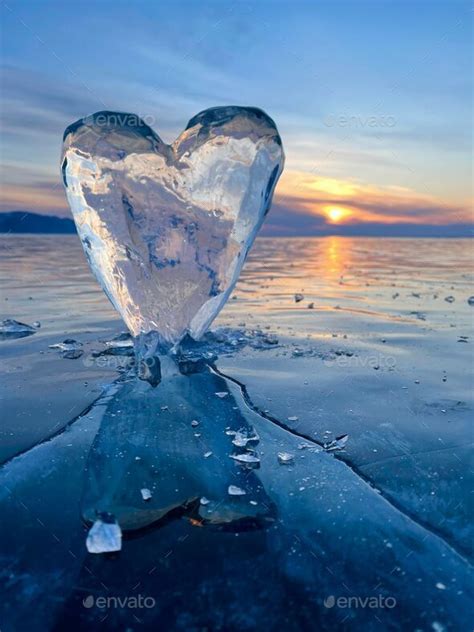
column 373, row 99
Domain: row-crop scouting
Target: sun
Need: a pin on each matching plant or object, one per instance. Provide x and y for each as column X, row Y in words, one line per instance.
column 335, row 214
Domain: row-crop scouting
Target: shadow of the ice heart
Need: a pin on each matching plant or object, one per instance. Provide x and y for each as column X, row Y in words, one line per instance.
column 173, row 449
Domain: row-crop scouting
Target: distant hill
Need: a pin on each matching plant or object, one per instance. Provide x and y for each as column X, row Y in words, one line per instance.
column 25, row 222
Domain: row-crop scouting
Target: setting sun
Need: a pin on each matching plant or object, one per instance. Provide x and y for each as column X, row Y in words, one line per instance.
column 336, row 214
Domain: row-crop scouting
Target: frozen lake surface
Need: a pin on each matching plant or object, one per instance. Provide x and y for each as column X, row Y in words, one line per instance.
column 377, row 535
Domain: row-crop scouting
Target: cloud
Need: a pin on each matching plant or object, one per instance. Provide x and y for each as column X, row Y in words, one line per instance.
column 309, row 226
column 301, row 206
column 311, row 195
column 35, row 104
column 37, row 110
column 43, row 198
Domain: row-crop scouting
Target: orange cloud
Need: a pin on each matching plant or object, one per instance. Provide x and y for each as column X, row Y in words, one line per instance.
column 302, row 200
column 347, row 201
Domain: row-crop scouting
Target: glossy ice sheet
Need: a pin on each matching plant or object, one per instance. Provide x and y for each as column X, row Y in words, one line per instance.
column 381, row 355
column 301, row 537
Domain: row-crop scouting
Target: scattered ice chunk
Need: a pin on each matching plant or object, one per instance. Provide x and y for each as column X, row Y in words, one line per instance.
column 270, row 339
column 70, row 348
column 245, row 458
column 440, row 586
column 10, row 328
column 241, row 439
column 69, row 344
column 204, row 501
column 293, row 418
column 233, row 490
column 299, row 297
column 105, row 535
column 119, row 345
column 286, row 458
column 339, row 443
column 120, row 341
column 195, row 423
column 73, row 355
column 146, row 493
column 222, row 394
column 226, row 340
column 36, row 324
column 194, row 361
column 114, row 351
column 207, row 454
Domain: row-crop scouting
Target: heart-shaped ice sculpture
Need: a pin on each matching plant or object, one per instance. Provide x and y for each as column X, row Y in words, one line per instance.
column 166, row 228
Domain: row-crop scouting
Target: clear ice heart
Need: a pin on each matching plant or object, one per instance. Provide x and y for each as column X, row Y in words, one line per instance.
column 166, row 228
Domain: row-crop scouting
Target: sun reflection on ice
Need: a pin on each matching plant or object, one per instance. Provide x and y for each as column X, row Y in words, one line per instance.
column 336, row 255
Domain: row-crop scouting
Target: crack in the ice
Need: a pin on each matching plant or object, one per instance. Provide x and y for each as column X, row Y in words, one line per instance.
column 387, row 497
column 106, row 392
